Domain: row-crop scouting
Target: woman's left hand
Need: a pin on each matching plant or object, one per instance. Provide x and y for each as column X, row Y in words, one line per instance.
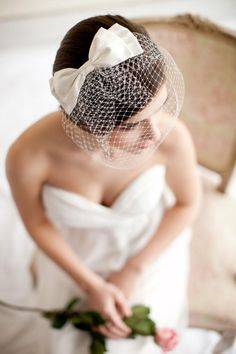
column 127, row 279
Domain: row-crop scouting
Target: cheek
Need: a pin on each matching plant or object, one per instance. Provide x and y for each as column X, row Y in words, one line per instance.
column 124, row 137
column 157, row 129
column 165, row 120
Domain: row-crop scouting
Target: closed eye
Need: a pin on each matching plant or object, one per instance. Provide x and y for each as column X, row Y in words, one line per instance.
column 167, row 97
column 128, row 126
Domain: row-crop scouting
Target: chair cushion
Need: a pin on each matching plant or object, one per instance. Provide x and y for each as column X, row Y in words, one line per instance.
column 212, row 283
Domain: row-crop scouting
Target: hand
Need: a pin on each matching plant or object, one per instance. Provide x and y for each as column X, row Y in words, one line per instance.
column 110, row 302
column 127, row 279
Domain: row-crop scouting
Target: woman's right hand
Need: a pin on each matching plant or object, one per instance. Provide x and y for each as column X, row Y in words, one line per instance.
column 110, row 302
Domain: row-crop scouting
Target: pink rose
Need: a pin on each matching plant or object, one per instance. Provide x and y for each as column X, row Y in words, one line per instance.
column 167, row 338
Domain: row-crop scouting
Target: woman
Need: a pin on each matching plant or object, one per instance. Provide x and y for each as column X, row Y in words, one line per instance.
column 89, row 183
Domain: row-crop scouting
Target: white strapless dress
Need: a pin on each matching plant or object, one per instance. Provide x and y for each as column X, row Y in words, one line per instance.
column 104, row 238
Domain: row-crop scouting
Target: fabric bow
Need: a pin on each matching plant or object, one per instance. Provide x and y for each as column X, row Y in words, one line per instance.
column 108, row 48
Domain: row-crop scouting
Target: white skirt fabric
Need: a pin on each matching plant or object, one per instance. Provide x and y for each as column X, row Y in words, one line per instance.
column 104, row 238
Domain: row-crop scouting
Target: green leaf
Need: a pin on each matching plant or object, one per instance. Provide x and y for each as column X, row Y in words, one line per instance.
column 99, row 336
column 84, row 320
column 97, row 318
column 48, row 314
column 82, row 326
column 141, row 326
column 140, row 311
column 145, row 327
column 97, row 347
column 58, row 320
column 98, row 344
column 71, row 303
column 130, row 321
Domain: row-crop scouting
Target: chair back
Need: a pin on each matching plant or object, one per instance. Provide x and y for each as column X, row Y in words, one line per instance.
column 206, row 55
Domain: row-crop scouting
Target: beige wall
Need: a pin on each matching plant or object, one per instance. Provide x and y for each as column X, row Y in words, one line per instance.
column 13, row 9
column 18, row 8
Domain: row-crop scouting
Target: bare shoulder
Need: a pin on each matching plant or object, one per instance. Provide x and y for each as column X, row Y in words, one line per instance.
column 23, row 161
column 26, row 167
column 27, row 154
column 178, row 143
column 181, row 162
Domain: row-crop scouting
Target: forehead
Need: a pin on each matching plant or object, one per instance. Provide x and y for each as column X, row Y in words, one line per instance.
column 153, row 106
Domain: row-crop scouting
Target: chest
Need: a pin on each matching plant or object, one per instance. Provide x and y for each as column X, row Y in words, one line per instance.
column 96, row 183
column 73, row 170
column 137, row 200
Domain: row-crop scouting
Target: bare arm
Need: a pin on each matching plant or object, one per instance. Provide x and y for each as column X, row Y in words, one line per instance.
column 183, row 179
column 26, row 172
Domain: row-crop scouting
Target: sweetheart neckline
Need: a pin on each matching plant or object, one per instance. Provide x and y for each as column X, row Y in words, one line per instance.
column 120, row 195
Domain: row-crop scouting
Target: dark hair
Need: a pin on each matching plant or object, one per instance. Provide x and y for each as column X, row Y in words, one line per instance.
column 73, row 53
column 74, row 47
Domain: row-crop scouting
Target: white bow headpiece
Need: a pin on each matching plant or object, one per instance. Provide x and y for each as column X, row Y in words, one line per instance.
column 108, row 48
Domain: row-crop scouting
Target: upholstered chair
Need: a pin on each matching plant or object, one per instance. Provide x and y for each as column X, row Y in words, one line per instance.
column 206, row 55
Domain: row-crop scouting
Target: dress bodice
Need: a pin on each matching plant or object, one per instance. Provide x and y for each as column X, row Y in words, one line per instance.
column 116, row 231
column 138, row 198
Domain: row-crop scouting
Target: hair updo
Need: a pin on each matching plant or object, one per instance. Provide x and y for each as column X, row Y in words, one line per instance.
column 74, row 47
column 128, row 88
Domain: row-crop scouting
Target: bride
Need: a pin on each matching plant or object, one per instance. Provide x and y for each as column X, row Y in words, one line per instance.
column 90, row 183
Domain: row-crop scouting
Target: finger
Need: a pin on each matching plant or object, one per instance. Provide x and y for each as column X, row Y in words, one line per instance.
column 103, row 330
column 117, row 321
column 115, row 330
column 123, row 306
column 124, row 310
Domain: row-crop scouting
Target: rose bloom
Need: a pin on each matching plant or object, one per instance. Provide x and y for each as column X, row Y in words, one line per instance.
column 167, row 339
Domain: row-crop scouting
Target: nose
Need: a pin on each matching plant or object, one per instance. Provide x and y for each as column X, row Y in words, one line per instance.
column 150, row 129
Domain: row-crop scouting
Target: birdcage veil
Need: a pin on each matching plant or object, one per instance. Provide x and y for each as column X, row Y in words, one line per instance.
column 104, row 103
